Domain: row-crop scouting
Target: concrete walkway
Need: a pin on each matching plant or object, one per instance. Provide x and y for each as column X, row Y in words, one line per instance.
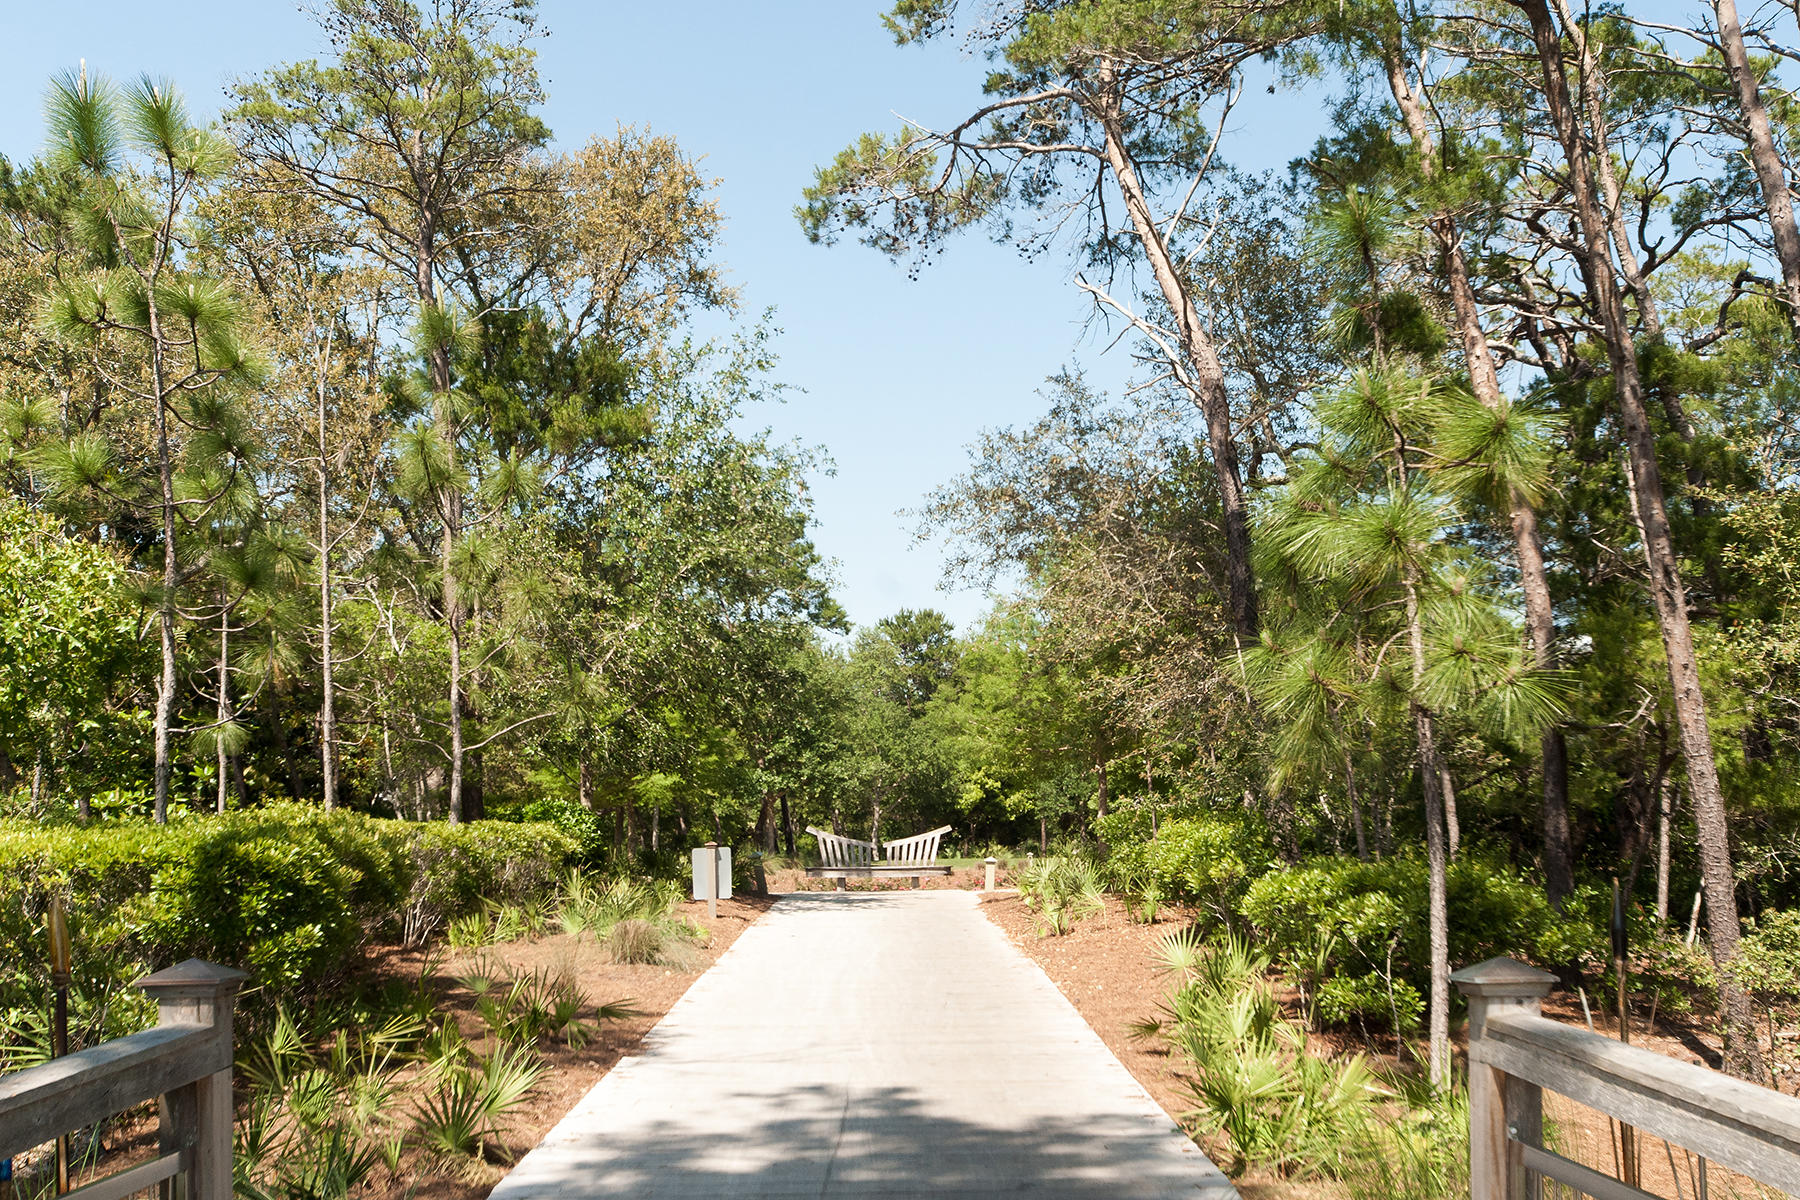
column 883, row 1044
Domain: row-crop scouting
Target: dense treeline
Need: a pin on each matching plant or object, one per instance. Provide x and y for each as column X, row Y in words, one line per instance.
column 358, row 452
column 357, row 449
column 1451, row 518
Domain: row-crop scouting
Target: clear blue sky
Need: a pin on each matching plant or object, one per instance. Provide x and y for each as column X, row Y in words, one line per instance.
column 896, row 376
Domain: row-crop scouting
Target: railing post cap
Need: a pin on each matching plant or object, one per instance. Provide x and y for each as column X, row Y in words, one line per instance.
column 992, row 859
column 1503, row 977
column 193, row 978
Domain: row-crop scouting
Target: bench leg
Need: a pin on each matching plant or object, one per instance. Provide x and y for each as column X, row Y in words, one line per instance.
column 918, row 883
column 840, row 884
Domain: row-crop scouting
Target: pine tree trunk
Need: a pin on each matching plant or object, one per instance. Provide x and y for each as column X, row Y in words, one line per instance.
column 584, row 780
column 224, row 711
column 1534, row 579
column 327, row 667
column 1432, row 776
column 1664, row 806
column 1452, row 825
column 1208, row 374
column 1743, row 1057
column 1771, row 172
column 765, row 822
column 1356, row 813
column 165, row 607
column 450, row 509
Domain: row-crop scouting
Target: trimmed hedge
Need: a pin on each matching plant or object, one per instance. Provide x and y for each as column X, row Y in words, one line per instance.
column 288, row 892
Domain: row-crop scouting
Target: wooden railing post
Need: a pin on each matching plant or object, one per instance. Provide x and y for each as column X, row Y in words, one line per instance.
column 196, row 1118
column 1502, row 1108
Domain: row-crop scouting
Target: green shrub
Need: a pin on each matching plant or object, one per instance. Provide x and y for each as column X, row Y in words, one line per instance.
column 1769, row 959
column 456, row 870
column 1207, row 859
column 280, row 907
column 1376, row 914
column 1344, row 999
column 289, row 892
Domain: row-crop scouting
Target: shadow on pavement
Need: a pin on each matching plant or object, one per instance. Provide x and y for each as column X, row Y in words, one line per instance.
column 821, row 1141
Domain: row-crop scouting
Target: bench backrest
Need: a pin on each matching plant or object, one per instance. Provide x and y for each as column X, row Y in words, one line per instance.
column 836, row 850
column 920, row 850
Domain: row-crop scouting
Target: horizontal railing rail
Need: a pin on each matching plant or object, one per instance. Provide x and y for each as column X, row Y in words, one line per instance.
column 184, row 1064
column 1515, row 1053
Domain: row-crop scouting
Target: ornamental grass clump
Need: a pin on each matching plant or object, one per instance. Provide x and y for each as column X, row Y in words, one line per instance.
column 633, row 918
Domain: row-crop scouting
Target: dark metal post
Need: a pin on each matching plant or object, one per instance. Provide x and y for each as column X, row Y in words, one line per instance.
column 61, row 969
column 1628, row 1158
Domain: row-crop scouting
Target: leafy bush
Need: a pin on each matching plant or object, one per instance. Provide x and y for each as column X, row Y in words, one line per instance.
column 1374, row 913
column 1769, row 959
column 1344, row 999
column 289, row 892
column 458, row 869
column 1208, row 859
column 280, row 907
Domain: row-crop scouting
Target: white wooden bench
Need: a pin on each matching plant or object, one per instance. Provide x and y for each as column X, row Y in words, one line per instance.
column 850, row 858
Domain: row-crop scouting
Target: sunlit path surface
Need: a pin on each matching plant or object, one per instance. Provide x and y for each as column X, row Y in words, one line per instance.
column 870, row 1045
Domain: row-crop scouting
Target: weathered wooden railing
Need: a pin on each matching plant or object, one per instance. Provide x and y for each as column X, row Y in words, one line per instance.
column 184, row 1064
column 1515, row 1053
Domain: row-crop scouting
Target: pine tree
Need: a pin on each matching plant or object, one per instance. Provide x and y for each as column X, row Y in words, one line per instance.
column 163, row 333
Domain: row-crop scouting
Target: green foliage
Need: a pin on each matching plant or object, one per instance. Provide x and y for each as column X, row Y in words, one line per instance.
column 470, row 1103
column 318, row 1121
column 1255, row 1081
column 288, row 892
column 536, row 1005
column 1421, row 1151
column 1769, row 955
column 1061, row 891
column 633, row 918
column 1376, row 915
column 278, row 906
column 1204, row 859
column 71, row 654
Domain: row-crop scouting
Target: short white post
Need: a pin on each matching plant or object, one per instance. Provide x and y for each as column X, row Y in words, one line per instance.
column 992, row 862
column 1503, row 1109
column 196, row 1118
